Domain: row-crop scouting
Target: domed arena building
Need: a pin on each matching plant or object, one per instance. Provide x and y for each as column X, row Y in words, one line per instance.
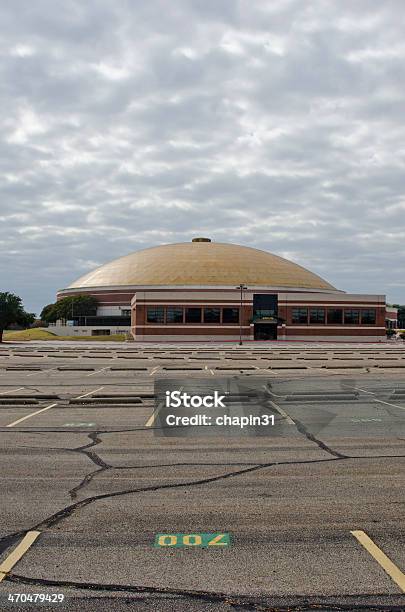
column 204, row 291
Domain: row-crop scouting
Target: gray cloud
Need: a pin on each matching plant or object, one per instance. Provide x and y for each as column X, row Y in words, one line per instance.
column 129, row 124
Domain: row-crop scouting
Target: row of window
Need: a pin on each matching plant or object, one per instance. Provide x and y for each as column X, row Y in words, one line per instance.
column 179, row 314
column 333, row 316
column 123, row 321
column 300, row 315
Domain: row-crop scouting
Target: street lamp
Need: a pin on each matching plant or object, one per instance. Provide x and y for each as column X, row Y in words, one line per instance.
column 241, row 287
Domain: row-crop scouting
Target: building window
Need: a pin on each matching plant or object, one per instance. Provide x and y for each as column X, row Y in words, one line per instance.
column 230, row 315
column 174, row 314
column 335, row 316
column 212, row 315
column 352, row 317
column 317, row 315
column 193, row 315
column 265, row 306
column 115, row 321
column 155, row 314
column 125, row 312
column 368, row 317
column 299, row 316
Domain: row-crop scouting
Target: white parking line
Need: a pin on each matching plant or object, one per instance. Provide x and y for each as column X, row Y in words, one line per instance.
column 209, row 370
column 42, row 372
column 268, row 371
column 327, row 370
column 28, row 416
column 279, row 409
column 152, row 418
column 89, row 393
column 282, row 412
column 363, row 390
column 17, row 553
column 385, row 562
column 388, row 404
column 11, row 390
column 97, row 371
column 378, row 400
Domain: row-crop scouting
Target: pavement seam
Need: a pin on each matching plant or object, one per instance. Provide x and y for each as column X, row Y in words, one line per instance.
column 67, row 511
column 233, row 600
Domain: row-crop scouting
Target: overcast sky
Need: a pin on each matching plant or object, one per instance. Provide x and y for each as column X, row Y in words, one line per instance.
column 274, row 124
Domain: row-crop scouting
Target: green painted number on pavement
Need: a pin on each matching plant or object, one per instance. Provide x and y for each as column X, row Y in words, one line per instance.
column 190, row 540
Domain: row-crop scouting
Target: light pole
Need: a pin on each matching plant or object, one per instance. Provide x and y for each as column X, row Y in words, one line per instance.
column 242, row 287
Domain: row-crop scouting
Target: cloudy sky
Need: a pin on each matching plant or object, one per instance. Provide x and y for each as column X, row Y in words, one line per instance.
column 275, row 124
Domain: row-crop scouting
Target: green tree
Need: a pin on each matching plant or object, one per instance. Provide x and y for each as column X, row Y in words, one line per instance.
column 49, row 314
column 70, row 307
column 12, row 312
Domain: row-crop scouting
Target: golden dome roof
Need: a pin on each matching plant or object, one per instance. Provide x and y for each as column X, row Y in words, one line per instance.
column 202, row 263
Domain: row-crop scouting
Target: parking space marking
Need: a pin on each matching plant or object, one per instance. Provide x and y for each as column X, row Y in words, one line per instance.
column 42, row 372
column 89, row 393
column 279, row 409
column 267, row 371
column 282, row 412
column 28, row 416
column 378, row 400
column 11, row 390
column 322, row 370
column 152, row 418
column 388, row 566
column 85, row 424
column 97, row 371
column 17, row 553
column 196, row 540
column 388, row 404
column 154, row 370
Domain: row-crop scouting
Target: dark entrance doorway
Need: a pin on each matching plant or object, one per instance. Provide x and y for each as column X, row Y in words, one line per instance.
column 265, row 331
column 265, row 311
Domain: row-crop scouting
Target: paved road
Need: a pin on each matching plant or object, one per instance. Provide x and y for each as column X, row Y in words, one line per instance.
column 81, row 465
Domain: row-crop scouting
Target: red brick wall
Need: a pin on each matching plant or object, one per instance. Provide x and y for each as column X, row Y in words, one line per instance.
column 189, row 330
column 344, row 330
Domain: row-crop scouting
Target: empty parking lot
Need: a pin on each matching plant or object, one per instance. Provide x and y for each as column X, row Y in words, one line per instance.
column 84, row 474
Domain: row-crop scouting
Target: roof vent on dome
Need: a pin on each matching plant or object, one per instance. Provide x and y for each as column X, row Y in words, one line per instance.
column 201, row 240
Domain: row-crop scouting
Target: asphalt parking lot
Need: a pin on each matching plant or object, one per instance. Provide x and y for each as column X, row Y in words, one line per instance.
column 314, row 512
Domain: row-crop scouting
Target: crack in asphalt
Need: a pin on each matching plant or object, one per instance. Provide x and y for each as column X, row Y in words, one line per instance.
column 57, row 517
column 184, row 464
column 103, row 466
column 236, row 601
column 94, row 457
column 86, row 481
column 303, row 430
column 95, row 439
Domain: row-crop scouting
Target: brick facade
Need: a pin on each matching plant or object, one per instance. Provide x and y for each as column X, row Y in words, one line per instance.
column 141, row 298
